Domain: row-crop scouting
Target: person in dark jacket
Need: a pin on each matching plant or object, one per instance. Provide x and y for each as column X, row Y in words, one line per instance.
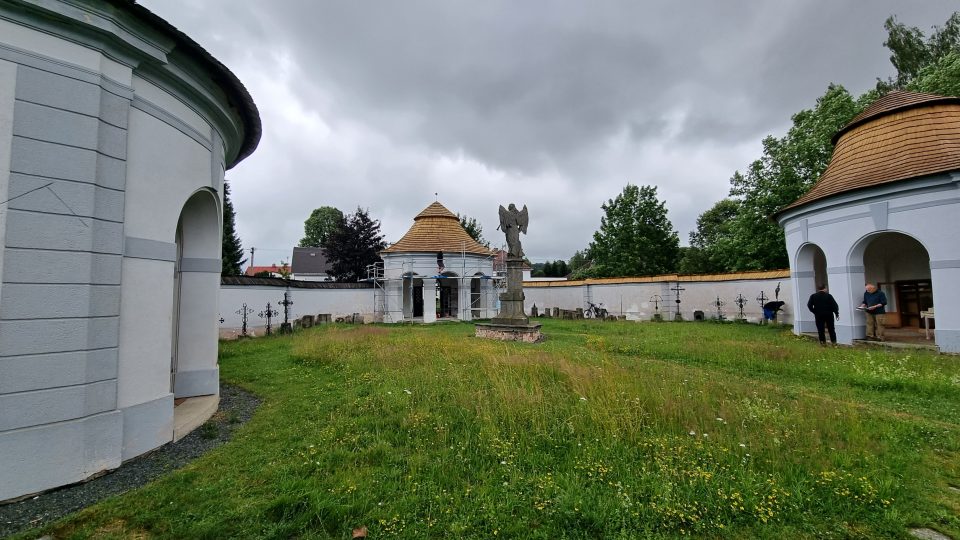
column 824, row 309
column 770, row 310
column 875, row 306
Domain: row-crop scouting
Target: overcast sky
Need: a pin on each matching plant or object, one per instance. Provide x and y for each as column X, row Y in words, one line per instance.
column 556, row 105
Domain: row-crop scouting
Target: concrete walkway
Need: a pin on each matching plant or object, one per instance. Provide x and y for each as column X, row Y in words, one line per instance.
column 191, row 413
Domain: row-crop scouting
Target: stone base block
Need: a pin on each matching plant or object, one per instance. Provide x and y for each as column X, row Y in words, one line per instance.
column 38, row 458
column 529, row 333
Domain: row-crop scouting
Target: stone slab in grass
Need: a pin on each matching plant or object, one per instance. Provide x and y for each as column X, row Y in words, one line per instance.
column 924, row 533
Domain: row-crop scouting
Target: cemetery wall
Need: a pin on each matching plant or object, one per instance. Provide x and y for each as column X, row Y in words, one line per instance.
column 634, row 297
column 309, row 298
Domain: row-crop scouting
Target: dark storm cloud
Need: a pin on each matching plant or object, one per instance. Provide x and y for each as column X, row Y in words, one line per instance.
column 521, row 84
column 381, row 104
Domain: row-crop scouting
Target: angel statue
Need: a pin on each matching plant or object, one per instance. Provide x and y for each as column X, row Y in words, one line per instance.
column 512, row 223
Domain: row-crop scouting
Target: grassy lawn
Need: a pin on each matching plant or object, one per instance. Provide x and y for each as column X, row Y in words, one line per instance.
column 606, row 430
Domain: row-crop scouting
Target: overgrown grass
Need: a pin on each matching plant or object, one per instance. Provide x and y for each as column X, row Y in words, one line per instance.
column 607, row 430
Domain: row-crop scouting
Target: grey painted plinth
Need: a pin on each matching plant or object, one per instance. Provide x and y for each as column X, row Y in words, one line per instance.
column 511, row 302
column 529, row 333
column 43, row 457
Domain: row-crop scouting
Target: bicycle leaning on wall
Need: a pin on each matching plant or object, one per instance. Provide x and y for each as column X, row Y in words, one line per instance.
column 595, row 311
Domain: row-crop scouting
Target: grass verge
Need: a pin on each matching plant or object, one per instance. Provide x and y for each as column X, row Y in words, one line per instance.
column 613, row 430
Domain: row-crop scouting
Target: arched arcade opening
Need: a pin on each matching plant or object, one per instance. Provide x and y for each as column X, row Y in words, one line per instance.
column 412, row 296
column 193, row 362
column 899, row 265
column 810, row 271
column 448, row 305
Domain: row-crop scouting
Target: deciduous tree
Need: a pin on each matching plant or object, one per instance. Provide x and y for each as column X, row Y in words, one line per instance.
column 635, row 237
column 473, row 228
column 912, row 54
column 319, row 225
column 709, row 250
column 354, row 244
column 788, row 168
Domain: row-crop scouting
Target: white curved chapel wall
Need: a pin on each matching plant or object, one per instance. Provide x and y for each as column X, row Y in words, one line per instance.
column 106, row 144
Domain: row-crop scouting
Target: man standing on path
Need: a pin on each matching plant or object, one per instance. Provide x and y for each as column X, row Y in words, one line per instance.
column 824, row 309
column 874, row 305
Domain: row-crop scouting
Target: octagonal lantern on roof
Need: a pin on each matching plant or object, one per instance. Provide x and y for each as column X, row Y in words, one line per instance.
column 437, row 271
column 886, row 211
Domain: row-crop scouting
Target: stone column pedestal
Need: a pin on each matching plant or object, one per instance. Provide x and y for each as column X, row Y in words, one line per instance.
column 511, row 323
column 511, row 302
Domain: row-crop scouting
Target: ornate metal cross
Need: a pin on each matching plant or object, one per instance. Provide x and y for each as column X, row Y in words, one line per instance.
column 719, row 303
column 286, row 303
column 268, row 314
column 740, row 302
column 244, row 312
column 677, row 289
column 656, row 299
column 762, row 299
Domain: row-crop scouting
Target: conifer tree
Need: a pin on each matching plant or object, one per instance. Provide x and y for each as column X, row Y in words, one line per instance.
column 231, row 252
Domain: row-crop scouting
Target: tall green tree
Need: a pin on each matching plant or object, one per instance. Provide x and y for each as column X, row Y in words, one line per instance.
column 319, row 225
column 790, row 165
column 473, row 228
column 579, row 260
column 353, row 245
column 788, row 168
column 912, row 53
column 942, row 77
column 709, row 250
column 635, row 237
column 231, row 250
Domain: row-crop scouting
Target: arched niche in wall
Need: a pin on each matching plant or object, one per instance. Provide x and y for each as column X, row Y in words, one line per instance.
column 899, row 265
column 196, row 289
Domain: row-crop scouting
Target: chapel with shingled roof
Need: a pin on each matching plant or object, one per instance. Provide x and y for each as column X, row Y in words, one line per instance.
column 886, row 211
column 436, row 271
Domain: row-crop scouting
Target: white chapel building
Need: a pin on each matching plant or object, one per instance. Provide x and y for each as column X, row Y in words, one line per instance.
column 887, row 211
column 437, row 271
column 115, row 132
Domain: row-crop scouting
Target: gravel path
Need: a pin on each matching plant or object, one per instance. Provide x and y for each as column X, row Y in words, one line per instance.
column 236, row 407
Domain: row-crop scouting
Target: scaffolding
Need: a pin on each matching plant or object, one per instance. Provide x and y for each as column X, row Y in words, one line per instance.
column 387, row 294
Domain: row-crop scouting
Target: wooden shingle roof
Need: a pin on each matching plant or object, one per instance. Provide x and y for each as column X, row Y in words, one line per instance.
column 902, row 135
column 437, row 229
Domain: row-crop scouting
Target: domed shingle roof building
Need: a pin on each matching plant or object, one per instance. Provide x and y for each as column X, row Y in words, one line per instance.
column 886, row 211
column 437, row 229
column 436, row 271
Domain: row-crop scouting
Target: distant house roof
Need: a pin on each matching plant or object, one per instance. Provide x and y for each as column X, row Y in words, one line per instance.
column 253, row 270
column 437, row 229
column 500, row 259
column 310, row 261
column 900, row 136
